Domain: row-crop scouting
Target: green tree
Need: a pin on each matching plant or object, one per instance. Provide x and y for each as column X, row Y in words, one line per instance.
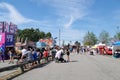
column 104, row 37
column 32, row 34
column 42, row 35
column 48, row 35
column 77, row 43
column 117, row 36
column 90, row 39
column 19, row 32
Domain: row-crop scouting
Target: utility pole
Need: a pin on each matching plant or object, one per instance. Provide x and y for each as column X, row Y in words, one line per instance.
column 59, row 37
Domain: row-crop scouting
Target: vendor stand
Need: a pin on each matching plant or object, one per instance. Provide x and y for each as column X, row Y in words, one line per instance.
column 7, row 35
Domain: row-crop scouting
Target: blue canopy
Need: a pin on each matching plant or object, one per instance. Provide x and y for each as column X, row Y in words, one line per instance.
column 117, row 43
column 40, row 44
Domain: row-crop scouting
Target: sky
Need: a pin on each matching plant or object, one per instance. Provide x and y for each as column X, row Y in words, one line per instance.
column 71, row 18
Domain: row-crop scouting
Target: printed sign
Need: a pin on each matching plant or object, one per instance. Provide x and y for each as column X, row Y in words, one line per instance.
column 6, row 27
column 9, row 40
column 12, row 28
column 2, row 38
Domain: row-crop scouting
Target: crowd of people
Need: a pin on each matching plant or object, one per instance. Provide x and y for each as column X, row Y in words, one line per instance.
column 37, row 54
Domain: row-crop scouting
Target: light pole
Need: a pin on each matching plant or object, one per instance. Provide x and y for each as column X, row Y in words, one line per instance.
column 59, row 37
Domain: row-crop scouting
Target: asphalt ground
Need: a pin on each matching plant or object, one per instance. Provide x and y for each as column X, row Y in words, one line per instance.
column 80, row 67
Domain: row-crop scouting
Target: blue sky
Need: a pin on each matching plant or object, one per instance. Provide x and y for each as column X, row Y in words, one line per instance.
column 73, row 17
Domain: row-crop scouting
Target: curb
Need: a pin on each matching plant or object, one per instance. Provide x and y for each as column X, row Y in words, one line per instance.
column 18, row 72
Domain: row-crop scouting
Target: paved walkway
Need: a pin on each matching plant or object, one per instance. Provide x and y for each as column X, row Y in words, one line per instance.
column 81, row 67
column 5, row 64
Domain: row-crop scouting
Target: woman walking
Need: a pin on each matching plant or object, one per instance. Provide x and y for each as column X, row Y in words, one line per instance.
column 11, row 55
column 68, row 55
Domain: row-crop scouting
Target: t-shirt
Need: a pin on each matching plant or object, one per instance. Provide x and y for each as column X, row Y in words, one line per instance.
column 45, row 53
column 58, row 54
column 24, row 52
column 29, row 55
column 35, row 55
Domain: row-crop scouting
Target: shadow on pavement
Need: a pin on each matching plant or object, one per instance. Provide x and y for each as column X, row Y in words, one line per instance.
column 74, row 61
column 38, row 66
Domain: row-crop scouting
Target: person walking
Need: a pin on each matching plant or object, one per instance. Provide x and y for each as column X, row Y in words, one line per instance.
column 38, row 55
column 29, row 57
column 68, row 55
column 1, row 56
column 11, row 56
column 45, row 53
column 53, row 51
column 24, row 55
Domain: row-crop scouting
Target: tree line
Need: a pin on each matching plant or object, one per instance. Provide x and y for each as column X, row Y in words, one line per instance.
column 32, row 34
column 91, row 39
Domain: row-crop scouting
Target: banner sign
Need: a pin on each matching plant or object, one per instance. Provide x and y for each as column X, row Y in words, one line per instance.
column 12, row 28
column 7, row 32
column 8, row 28
column 9, row 40
column 2, row 38
column 49, row 42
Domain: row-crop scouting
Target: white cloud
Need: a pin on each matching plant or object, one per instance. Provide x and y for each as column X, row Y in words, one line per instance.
column 10, row 14
column 69, row 23
column 72, row 34
column 68, row 10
